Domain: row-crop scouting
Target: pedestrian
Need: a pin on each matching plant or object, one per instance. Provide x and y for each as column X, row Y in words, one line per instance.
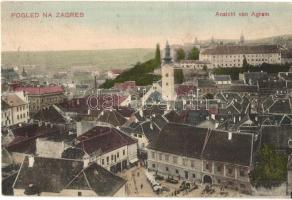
column 141, row 186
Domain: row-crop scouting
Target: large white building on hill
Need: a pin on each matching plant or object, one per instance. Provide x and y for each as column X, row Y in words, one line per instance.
column 233, row 55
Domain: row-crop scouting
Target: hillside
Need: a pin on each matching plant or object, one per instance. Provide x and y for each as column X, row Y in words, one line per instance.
column 103, row 59
column 141, row 73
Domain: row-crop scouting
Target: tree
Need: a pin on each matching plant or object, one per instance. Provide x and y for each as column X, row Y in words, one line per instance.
column 180, row 54
column 178, row 76
column 194, row 54
column 271, row 168
column 157, row 54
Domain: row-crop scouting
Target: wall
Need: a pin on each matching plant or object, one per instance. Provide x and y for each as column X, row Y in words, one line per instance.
column 121, row 192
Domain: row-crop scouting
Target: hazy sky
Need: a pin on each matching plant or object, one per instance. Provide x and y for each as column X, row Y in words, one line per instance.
column 136, row 24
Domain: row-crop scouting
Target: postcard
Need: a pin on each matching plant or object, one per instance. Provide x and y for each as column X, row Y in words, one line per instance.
column 146, row 99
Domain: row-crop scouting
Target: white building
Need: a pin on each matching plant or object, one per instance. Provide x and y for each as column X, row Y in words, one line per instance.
column 195, row 64
column 108, row 147
column 233, row 55
column 167, row 73
column 16, row 109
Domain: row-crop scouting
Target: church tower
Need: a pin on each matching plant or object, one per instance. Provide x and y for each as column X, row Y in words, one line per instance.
column 167, row 74
column 241, row 41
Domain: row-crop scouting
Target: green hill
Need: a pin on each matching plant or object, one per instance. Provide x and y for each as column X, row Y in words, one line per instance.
column 141, row 72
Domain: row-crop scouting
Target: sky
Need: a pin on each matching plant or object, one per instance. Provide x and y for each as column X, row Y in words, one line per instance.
column 118, row 25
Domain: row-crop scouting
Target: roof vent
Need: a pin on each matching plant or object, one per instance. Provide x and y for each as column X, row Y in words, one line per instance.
column 229, row 135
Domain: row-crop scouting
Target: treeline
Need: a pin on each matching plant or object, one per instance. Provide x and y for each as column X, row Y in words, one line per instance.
column 265, row 67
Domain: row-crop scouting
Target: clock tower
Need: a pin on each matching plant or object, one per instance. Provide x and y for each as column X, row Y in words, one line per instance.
column 167, row 74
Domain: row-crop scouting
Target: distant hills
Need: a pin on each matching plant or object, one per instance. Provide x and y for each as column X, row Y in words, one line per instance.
column 97, row 59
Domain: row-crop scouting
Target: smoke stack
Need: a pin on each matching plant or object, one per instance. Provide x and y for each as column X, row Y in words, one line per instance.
column 30, row 161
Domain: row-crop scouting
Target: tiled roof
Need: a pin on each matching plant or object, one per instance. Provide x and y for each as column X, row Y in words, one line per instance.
column 103, row 139
column 233, row 49
column 41, row 90
column 112, row 117
column 222, row 78
column 54, row 175
column 201, row 143
column 185, row 90
column 13, row 100
column 49, row 114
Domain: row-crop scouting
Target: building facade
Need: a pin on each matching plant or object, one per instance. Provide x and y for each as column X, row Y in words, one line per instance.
column 233, row 56
column 40, row 97
column 188, row 153
column 15, row 109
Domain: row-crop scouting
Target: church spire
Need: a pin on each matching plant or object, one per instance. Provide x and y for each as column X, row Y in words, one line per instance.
column 241, row 38
column 167, row 56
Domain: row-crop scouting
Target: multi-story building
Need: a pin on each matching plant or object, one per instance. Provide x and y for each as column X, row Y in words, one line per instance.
column 43, row 96
column 233, row 55
column 15, row 109
column 195, row 64
column 108, row 147
column 203, row 156
column 6, row 114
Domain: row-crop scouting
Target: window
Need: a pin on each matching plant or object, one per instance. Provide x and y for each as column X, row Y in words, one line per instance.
column 124, row 152
column 140, row 136
column 118, row 155
column 153, row 155
column 174, row 159
column 242, row 185
column 194, row 175
column 166, row 84
column 160, row 156
column 166, row 169
column 185, row 162
column 207, row 166
column 166, row 75
column 112, row 157
column 229, row 171
column 166, row 157
column 153, row 165
column 107, row 160
column 219, row 168
column 241, row 172
column 192, row 163
column 79, row 194
column 102, row 161
column 176, row 171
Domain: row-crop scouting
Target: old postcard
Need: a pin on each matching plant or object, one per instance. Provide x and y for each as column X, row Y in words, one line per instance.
column 146, row 99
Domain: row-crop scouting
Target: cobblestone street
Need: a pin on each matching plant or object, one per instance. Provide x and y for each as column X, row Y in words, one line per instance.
column 138, row 186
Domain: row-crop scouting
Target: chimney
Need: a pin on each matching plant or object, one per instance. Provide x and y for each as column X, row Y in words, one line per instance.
column 85, row 163
column 151, row 126
column 30, row 161
column 141, row 112
column 229, row 135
